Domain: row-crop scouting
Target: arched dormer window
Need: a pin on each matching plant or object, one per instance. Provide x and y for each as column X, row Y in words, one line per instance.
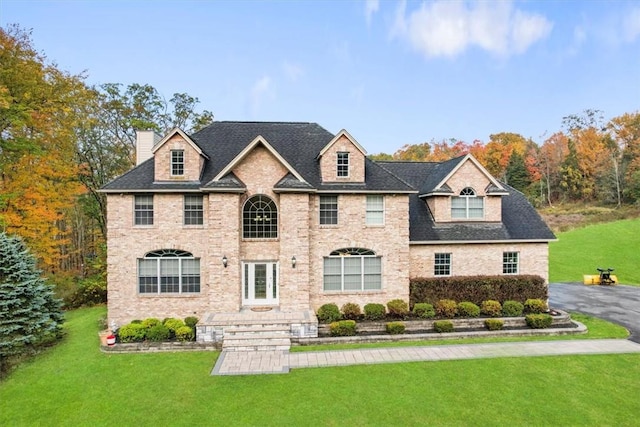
column 260, row 218
column 467, row 205
column 168, row 271
column 352, row 270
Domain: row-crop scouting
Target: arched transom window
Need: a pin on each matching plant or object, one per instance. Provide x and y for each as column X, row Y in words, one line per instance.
column 260, row 218
column 168, row 271
column 467, row 205
column 351, row 270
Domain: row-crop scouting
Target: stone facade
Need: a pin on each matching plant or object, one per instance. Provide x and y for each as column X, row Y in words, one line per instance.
column 329, row 160
column 193, row 161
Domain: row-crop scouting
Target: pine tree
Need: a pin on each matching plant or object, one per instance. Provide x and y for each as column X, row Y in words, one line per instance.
column 30, row 315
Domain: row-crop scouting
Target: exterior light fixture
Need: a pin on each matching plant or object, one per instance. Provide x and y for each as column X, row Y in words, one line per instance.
column 224, row 261
column 293, row 261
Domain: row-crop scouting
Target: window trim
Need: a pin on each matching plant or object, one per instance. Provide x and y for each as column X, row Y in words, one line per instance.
column 440, row 268
column 177, row 164
column 467, row 194
column 374, row 210
column 271, row 229
column 329, row 209
column 139, row 209
column 168, row 254
column 342, row 164
column 508, row 263
column 360, row 254
column 187, row 214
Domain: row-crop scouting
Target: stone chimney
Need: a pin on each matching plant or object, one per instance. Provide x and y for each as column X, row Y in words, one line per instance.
column 145, row 140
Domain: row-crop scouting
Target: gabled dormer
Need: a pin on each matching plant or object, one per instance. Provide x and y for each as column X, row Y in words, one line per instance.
column 177, row 158
column 342, row 160
column 462, row 190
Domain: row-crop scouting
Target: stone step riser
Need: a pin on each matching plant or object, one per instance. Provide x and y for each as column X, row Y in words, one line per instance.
column 259, row 348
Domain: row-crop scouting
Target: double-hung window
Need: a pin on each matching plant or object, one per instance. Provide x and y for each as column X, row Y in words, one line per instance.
column 510, row 262
column 168, row 271
column 177, row 162
column 375, row 210
column 143, row 210
column 442, row 264
column 193, row 210
column 328, row 210
column 343, row 164
column 467, row 205
column 352, row 270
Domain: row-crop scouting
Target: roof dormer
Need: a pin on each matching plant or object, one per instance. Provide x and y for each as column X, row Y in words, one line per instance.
column 342, row 160
column 177, row 158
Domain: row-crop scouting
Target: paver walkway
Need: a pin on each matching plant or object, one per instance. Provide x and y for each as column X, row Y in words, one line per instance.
column 280, row 362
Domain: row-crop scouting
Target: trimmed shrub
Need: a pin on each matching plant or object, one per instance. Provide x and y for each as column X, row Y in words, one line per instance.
column 133, row 332
column 477, row 288
column 136, row 321
column 151, row 322
column 172, row 324
column 395, row 328
column 351, row 311
column 447, row 308
column 424, row 310
column 443, row 326
column 185, row 333
column 539, row 321
column 191, row 322
column 328, row 313
column 343, row 328
column 468, row 309
column 494, row 324
column 158, row 332
column 535, row 306
column 398, row 308
column 491, row 308
column 373, row 311
column 512, row 309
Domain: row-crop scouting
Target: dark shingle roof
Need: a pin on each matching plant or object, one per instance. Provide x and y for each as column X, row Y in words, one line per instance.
column 297, row 143
column 520, row 221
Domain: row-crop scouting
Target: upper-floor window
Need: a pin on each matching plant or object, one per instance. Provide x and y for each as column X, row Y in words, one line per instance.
column 510, row 262
column 352, row 270
column 343, row 164
column 328, row 210
column 375, row 209
column 177, row 162
column 442, row 264
column 143, row 210
column 260, row 218
column 193, row 210
column 467, row 205
column 168, row 271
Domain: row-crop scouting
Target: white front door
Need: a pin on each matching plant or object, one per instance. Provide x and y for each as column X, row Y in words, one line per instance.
column 259, row 283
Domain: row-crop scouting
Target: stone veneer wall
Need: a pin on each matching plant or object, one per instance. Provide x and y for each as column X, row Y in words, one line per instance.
column 480, row 259
column 193, row 162
column 329, row 161
column 390, row 241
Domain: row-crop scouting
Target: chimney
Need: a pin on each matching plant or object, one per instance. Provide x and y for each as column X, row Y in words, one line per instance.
column 145, row 140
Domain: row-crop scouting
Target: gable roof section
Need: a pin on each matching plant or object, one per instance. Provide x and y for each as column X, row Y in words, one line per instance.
column 184, row 136
column 437, row 181
column 339, row 135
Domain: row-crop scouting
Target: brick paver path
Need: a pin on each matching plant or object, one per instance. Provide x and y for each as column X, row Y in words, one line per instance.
column 280, row 362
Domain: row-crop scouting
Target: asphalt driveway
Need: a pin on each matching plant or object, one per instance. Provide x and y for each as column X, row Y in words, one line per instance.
column 619, row 304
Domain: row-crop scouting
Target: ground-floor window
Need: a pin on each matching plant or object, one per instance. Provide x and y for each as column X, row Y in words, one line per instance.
column 352, row 269
column 442, row 264
column 510, row 262
column 168, row 271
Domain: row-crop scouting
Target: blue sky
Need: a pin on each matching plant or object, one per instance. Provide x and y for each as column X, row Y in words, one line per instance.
column 390, row 72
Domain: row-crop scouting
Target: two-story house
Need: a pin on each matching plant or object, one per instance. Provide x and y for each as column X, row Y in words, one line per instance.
column 289, row 216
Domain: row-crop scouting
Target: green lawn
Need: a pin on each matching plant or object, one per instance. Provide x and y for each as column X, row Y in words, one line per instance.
column 581, row 251
column 74, row 384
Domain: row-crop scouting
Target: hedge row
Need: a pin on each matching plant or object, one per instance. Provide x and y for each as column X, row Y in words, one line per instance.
column 477, row 289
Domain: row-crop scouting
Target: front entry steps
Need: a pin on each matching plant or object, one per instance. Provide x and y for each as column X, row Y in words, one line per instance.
column 257, row 337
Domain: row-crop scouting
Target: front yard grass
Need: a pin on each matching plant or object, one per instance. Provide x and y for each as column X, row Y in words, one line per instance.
column 75, row 384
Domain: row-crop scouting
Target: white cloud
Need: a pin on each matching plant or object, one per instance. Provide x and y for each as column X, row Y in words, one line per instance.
column 262, row 89
column 371, row 7
column 448, row 28
column 292, row 71
column 631, row 25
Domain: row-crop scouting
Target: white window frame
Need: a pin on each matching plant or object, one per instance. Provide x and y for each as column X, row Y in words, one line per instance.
column 142, row 210
column 328, row 206
column 177, row 164
column 155, row 262
column 464, row 205
column 193, row 213
column 375, row 210
column 260, row 218
column 510, row 262
column 442, row 264
column 342, row 164
column 343, row 259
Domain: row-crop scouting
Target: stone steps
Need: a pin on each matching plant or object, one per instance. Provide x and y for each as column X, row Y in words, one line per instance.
column 247, row 336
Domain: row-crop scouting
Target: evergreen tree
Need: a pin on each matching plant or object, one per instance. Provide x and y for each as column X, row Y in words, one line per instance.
column 30, row 315
column 516, row 174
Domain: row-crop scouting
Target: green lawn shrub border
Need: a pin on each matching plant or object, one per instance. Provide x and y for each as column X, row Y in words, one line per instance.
column 443, row 326
column 395, row 328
